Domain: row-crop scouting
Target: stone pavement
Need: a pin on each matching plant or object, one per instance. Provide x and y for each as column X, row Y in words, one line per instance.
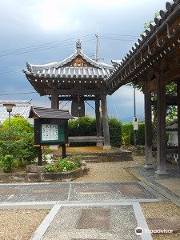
column 55, row 192
column 83, row 223
column 84, row 211
column 168, row 185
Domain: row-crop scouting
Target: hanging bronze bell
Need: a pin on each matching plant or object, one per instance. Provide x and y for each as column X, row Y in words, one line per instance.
column 77, row 106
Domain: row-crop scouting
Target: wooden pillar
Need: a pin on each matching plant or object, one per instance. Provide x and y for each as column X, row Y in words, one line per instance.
column 63, row 150
column 178, row 104
column 55, row 101
column 148, row 127
column 39, row 156
column 105, row 124
column 161, row 126
column 98, row 121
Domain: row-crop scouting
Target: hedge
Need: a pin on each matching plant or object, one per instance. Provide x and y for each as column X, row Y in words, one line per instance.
column 128, row 134
column 86, row 126
column 119, row 133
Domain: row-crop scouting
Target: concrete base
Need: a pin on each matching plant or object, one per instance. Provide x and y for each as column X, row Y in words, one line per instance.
column 54, row 147
column 99, row 144
column 161, row 172
column 148, row 166
column 106, row 147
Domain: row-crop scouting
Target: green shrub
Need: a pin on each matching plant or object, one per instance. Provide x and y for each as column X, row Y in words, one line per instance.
column 7, row 163
column 83, row 126
column 115, row 128
column 66, row 165
column 128, row 134
column 18, row 124
column 18, row 141
column 141, row 134
column 63, row 165
column 50, row 168
column 86, row 126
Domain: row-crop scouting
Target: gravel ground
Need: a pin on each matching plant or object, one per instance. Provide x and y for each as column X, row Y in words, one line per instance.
column 110, row 171
column 19, row 224
column 89, row 149
column 162, row 210
column 115, row 223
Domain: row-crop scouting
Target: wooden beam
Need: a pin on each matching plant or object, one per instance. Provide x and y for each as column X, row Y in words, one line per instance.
column 39, row 156
column 69, row 98
column 54, row 101
column 98, row 121
column 105, row 122
column 161, row 126
column 148, row 128
column 63, row 150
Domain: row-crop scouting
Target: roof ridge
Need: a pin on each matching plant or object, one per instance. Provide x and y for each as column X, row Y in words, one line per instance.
column 67, row 60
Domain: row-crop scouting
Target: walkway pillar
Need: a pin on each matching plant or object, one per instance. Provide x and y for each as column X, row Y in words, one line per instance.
column 148, row 127
column 161, row 126
column 105, row 123
column 55, row 101
column 98, row 121
column 178, row 104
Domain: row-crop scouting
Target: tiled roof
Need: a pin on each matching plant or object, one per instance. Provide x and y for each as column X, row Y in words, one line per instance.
column 61, row 70
column 70, row 72
column 22, row 108
column 39, row 112
column 150, row 35
column 158, row 21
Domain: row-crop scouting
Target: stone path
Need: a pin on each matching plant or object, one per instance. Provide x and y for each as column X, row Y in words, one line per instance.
column 83, row 211
column 55, row 192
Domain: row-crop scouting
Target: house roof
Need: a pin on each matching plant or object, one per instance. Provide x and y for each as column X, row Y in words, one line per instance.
column 40, row 112
column 22, row 108
column 69, row 72
column 65, row 68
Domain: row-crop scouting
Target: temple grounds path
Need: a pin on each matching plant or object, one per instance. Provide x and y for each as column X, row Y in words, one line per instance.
column 106, row 204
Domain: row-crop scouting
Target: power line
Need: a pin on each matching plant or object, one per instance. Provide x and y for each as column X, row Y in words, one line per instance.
column 117, row 39
column 121, row 35
column 89, row 105
column 55, row 43
column 62, row 107
column 45, row 46
column 66, row 42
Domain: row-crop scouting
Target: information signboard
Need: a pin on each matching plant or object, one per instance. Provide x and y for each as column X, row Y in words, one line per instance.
column 52, row 133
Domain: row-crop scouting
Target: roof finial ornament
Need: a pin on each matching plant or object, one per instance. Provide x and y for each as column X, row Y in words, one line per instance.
column 78, row 46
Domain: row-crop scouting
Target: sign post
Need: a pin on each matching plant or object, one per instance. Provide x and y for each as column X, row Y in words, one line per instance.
column 135, row 128
column 50, row 128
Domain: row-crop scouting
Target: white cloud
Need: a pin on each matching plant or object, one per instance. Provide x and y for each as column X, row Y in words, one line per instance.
column 55, row 15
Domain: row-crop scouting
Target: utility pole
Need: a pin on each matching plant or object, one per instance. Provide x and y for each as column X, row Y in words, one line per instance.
column 97, row 48
column 134, row 102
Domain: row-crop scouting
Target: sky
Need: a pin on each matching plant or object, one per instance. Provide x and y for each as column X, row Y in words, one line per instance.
column 42, row 31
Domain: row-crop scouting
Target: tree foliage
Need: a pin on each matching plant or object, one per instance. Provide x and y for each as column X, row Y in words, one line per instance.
column 18, row 141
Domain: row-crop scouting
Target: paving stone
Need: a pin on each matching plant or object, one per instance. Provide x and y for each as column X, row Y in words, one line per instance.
column 134, row 190
column 94, row 218
column 78, row 192
column 108, row 191
column 35, row 192
column 172, row 223
column 118, row 223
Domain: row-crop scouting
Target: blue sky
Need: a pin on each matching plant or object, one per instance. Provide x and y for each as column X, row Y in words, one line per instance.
column 40, row 31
